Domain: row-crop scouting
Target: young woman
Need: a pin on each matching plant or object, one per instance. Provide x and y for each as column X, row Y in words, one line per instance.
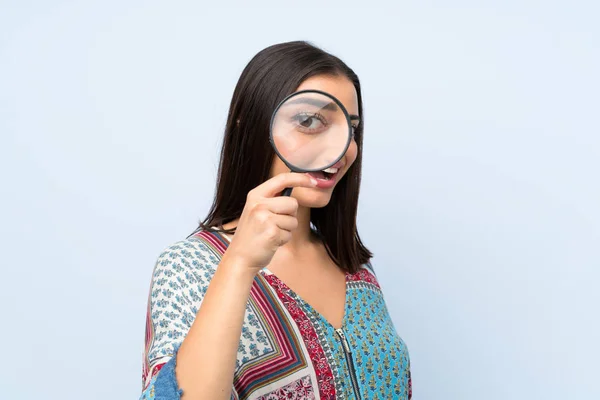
column 274, row 297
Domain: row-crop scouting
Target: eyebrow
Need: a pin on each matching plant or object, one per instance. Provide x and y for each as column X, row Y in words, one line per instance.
column 323, row 105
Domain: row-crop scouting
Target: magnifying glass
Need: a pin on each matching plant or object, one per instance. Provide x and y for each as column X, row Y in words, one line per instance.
column 310, row 131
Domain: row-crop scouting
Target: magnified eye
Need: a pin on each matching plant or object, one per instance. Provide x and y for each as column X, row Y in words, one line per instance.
column 310, row 123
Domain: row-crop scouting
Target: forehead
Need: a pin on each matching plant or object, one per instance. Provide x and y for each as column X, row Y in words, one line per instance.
column 338, row 86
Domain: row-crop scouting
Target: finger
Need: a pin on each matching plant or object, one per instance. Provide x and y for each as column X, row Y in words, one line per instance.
column 281, row 205
column 286, row 222
column 279, row 182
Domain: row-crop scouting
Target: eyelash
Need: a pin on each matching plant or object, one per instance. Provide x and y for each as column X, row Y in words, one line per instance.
column 307, row 115
column 322, row 119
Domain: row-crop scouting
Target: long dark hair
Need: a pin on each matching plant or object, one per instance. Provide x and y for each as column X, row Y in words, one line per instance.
column 246, row 155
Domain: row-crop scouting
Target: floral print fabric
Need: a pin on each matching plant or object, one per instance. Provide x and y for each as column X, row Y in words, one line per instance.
column 287, row 350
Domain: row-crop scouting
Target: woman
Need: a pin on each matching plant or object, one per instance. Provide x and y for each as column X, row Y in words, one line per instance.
column 274, row 297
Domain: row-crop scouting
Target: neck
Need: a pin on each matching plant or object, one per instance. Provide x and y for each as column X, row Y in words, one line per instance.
column 302, row 235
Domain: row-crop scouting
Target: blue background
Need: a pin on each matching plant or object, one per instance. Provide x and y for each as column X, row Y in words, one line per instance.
column 480, row 194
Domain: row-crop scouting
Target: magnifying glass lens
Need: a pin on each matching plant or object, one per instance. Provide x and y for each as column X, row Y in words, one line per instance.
column 310, row 131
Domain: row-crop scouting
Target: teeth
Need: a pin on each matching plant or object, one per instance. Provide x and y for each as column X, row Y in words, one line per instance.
column 331, row 170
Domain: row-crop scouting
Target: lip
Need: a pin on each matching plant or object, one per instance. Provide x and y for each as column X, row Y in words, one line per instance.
column 326, row 183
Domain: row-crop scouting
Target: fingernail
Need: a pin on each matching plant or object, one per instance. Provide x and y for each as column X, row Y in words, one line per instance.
column 314, row 181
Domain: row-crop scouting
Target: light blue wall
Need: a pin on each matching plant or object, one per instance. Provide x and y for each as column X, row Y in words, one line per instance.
column 480, row 195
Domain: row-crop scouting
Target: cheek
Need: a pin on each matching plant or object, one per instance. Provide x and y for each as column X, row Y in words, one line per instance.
column 351, row 153
column 278, row 167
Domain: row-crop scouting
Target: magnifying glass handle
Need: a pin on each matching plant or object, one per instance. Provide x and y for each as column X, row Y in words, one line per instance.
column 288, row 191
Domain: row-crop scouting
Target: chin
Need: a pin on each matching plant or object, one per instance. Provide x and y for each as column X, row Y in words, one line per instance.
column 312, row 198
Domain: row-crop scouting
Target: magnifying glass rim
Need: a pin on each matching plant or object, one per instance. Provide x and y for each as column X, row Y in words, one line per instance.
column 340, row 105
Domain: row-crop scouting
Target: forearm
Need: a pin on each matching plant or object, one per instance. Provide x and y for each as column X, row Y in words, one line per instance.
column 206, row 358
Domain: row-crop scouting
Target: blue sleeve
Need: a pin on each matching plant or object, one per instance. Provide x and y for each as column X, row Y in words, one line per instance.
column 163, row 385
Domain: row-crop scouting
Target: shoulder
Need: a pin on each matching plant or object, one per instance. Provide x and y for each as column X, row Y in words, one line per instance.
column 193, row 252
column 365, row 275
column 187, row 261
column 369, row 267
column 180, row 279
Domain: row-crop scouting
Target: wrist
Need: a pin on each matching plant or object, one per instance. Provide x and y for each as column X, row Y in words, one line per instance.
column 237, row 267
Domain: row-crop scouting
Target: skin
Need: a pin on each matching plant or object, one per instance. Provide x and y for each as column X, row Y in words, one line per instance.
column 273, row 232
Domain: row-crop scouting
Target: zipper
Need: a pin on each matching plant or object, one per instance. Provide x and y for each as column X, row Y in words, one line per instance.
column 349, row 361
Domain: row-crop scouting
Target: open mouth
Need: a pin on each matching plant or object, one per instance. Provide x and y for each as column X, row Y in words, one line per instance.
column 326, row 174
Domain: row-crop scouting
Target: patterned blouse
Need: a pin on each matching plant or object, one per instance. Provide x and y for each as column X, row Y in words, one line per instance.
column 287, row 349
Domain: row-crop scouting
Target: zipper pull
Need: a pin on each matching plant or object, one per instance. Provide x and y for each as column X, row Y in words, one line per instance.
column 340, row 332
